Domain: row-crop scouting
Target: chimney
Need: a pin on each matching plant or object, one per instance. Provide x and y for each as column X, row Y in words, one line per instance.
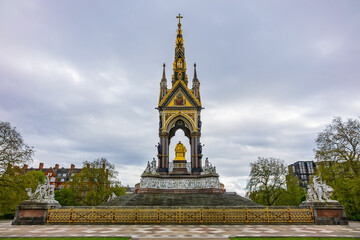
column 25, row 167
column 41, row 166
column 72, row 167
column 56, row 167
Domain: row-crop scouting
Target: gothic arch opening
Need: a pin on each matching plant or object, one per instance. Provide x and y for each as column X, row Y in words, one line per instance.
column 179, row 136
column 177, row 122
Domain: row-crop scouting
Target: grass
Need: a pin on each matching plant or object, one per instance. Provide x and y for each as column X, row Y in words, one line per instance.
column 292, row 238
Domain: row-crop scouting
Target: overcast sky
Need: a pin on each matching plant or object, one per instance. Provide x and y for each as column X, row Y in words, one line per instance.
column 80, row 79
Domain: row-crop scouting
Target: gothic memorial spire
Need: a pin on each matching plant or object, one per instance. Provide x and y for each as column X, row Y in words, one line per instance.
column 179, row 108
column 179, row 64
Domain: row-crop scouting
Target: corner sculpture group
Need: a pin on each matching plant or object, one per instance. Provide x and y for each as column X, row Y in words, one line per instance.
column 43, row 193
column 318, row 191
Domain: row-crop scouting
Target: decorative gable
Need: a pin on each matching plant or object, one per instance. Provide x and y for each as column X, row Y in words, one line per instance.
column 179, row 96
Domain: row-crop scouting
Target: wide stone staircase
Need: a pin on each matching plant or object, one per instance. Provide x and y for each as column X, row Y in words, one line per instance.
column 181, row 199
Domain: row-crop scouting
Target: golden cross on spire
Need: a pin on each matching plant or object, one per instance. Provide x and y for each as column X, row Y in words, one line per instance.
column 179, row 17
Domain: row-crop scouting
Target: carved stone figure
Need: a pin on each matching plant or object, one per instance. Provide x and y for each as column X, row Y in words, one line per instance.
column 319, row 191
column 159, row 148
column 43, row 193
column 112, row 197
column 147, row 169
column 153, row 166
column 199, row 148
column 208, row 168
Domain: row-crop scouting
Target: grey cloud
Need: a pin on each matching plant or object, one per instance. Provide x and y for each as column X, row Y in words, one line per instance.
column 80, row 79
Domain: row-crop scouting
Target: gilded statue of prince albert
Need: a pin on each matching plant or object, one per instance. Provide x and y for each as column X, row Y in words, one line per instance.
column 180, row 151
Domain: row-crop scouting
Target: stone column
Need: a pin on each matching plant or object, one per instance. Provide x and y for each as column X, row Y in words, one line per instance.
column 195, row 156
column 163, row 164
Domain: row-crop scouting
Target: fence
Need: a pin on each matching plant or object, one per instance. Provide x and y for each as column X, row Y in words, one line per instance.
column 181, row 215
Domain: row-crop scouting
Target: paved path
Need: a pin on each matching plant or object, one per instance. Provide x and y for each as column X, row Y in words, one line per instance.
column 179, row 231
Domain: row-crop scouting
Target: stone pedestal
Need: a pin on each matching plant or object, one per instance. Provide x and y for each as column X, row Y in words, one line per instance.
column 330, row 213
column 180, row 168
column 33, row 212
column 180, row 184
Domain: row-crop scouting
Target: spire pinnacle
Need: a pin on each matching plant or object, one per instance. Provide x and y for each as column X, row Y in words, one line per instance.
column 163, row 76
column 195, row 75
column 179, row 65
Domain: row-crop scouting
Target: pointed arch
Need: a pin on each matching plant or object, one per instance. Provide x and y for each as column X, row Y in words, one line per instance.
column 174, row 123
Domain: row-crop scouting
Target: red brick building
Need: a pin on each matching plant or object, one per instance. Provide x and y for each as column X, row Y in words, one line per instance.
column 59, row 177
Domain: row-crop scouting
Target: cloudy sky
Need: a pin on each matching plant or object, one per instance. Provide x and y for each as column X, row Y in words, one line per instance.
column 80, row 79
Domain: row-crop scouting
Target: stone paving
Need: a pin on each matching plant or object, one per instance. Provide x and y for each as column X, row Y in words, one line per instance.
column 179, row 231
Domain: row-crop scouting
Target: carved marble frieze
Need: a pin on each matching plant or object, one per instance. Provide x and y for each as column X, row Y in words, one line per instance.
column 179, row 183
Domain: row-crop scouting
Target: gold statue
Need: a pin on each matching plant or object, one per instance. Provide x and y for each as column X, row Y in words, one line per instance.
column 180, row 151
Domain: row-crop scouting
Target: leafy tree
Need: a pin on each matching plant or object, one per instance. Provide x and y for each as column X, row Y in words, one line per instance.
column 13, row 181
column 267, row 180
column 294, row 194
column 118, row 189
column 13, row 150
column 269, row 185
column 338, row 160
column 67, row 197
column 92, row 185
column 13, row 194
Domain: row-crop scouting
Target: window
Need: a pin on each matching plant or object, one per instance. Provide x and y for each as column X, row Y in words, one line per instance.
column 64, row 175
column 52, row 179
column 302, row 167
column 310, row 167
column 62, row 180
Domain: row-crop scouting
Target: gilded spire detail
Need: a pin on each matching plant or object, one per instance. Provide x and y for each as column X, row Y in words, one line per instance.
column 179, row 65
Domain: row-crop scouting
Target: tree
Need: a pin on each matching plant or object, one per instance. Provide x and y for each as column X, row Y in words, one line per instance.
column 13, row 180
column 13, row 194
column 294, row 194
column 267, row 180
column 338, row 159
column 92, row 185
column 13, row 150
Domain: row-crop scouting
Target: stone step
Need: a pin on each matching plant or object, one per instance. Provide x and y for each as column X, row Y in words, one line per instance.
column 181, row 199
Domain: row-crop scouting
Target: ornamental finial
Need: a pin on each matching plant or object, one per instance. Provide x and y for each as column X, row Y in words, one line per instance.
column 179, row 17
column 195, row 75
column 163, row 76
